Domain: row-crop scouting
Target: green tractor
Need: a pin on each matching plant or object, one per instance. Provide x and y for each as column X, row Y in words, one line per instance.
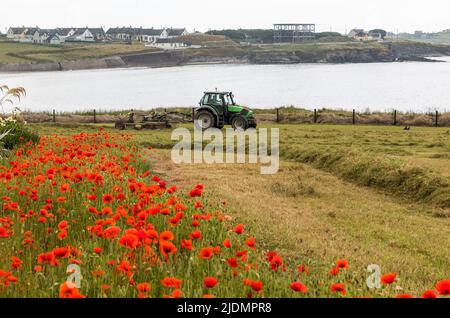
column 218, row 109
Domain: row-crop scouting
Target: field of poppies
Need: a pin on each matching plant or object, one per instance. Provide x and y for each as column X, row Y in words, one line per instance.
column 85, row 216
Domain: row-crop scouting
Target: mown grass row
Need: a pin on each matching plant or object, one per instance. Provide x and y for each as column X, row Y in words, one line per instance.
column 378, row 171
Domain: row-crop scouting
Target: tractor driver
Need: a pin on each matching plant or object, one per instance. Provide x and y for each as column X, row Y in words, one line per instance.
column 131, row 116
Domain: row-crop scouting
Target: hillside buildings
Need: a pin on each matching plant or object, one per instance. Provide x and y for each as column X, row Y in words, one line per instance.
column 89, row 35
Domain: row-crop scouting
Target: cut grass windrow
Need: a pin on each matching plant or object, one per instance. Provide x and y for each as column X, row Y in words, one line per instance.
column 388, row 174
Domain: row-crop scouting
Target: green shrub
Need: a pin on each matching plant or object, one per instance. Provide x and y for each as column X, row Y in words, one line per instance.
column 18, row 133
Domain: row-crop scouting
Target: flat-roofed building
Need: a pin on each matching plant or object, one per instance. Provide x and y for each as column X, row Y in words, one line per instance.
column 293, row 32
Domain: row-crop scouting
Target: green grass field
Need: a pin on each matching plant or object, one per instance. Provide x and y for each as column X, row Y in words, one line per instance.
column 371, row 194
column 11, row 52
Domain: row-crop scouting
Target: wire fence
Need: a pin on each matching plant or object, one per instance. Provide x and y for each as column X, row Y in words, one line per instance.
column 278, row 115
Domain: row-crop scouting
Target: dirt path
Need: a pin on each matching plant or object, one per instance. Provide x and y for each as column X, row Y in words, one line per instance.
column 312, row 216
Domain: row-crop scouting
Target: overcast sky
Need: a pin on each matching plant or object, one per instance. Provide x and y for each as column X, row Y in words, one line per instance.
column 202, row 15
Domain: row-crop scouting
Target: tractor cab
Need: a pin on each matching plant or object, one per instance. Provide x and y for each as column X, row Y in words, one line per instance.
column 217, row 109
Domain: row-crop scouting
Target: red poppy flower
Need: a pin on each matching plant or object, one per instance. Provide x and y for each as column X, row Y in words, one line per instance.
column 334, row 271
column 166, row 236
column 111, row 232
column 62, row 225
column 64, row 188
column 239, row 229
column 66, row 291
column 62, row 235
column 105, row 287
column 16, row 262
column 98, row 272
column 257, row 286
column 125, row 267
column 404, row 296
column 303, row 269
column 195, row 193
column 171, row 282
column 143, row 290
column 167, row 248
column 195, row 235
column 206, row 253
column 443, row 287
column 429, row 294
column 250, row 242
column 210, row 282
column 107, row 198
column 339, row 287
column 177, row 293
column 198, row 205
column 186, row 244
column 4, row 233
column 227, row 243
column 232, row 262
column 48, row 258
column 61, row 252
column 97, row 250
column 388, row 278
column 342, row 263
column 299, row 287
column 129, row 241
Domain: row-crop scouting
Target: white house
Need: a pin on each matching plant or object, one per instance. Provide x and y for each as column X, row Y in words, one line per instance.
column 41, row 35
column 124, row 34
column 15, row 33
column 81, row 35
column 64, row 33
column 152, row 35
column 29, row 36
column 54, row 39
column 98, row 33
column 176, row 32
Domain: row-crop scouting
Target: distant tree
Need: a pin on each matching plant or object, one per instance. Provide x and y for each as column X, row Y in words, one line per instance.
column 327, row 34
column 247, row 35
column 381, row 32
column 235, row 35
column 259, row 35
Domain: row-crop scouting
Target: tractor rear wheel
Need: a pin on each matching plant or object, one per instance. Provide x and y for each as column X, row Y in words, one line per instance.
column 119, row 125
column 204, row 120
column 239, row 122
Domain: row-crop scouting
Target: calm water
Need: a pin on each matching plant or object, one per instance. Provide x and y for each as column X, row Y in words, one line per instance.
column 380, row 86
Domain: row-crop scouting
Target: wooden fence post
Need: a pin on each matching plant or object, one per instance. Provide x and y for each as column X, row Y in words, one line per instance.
column 395, row 118
column 436, row 123
column 278, row 115
column 354, row 117
column 95, row 117
column 54, row 116
column 315, row 116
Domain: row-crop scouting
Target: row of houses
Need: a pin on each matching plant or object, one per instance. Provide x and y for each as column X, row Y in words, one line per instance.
column 55, row 36
column 144, row 35
column 86, row 34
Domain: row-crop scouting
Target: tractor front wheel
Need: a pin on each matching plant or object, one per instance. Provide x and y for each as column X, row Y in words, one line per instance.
column 239, row 122
column 204, row 120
